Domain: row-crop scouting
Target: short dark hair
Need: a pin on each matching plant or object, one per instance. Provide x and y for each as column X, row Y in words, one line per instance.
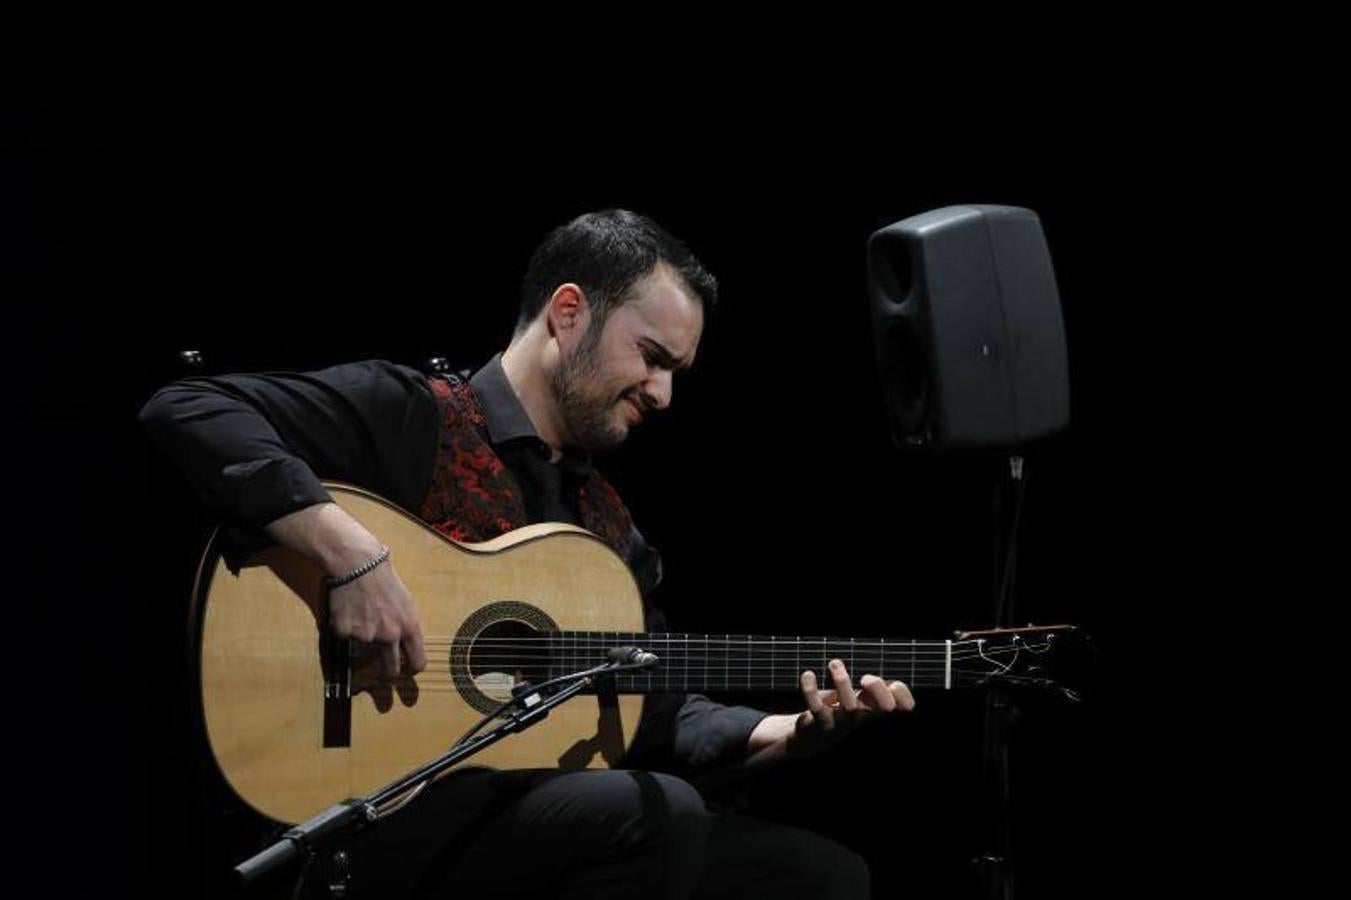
column 604, row 253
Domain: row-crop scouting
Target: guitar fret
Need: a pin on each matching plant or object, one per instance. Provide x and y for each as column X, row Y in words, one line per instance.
column 750, row 659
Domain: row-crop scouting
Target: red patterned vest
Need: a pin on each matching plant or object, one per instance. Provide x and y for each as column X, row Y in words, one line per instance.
column 475, row 497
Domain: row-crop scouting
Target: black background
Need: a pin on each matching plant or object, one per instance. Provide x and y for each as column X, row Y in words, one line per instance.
column 273, row 230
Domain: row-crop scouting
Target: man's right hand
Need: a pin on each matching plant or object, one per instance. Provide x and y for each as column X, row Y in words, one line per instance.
column 377, row 609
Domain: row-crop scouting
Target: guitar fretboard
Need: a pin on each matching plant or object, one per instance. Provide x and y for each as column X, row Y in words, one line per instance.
column 731, row 662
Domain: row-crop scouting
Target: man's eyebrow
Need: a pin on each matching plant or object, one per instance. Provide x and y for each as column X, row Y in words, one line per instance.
column 665, row 358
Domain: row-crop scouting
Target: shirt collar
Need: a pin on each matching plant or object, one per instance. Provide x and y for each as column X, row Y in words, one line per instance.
column 507, row 420
column 502, row 409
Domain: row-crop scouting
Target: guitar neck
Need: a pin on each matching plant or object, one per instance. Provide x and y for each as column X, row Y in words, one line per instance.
column 731, row 662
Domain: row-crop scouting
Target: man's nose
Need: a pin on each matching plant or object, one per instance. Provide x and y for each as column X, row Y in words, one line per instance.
column 658, row 389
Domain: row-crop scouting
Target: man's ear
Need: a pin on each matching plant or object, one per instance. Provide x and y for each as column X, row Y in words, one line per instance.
column 568, row 311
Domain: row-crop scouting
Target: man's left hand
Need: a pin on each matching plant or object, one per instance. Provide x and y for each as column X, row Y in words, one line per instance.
column 830, row 714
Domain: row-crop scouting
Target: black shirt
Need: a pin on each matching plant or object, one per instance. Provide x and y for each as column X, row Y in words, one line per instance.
column 255, row 447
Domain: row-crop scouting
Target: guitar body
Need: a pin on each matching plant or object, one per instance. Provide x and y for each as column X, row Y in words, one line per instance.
column 293, row 732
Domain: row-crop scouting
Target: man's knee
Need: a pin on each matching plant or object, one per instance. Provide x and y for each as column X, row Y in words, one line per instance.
column 783, row 860
column 643, row 829
column 837, row 873
column 636, row 803
column 664, row 808
column 674, row 796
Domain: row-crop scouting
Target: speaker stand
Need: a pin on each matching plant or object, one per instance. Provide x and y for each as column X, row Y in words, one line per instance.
column 994, row 867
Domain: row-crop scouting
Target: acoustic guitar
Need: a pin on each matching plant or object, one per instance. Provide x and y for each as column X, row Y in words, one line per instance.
column 297, row 721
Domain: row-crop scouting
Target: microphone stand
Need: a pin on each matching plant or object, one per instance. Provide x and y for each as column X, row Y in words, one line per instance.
column 309, row 838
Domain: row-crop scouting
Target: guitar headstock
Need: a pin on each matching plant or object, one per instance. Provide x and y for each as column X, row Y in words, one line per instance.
column 1050, row 657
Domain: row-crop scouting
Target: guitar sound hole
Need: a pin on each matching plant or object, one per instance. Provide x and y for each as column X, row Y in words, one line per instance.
column 499, row 646
column 504, row 655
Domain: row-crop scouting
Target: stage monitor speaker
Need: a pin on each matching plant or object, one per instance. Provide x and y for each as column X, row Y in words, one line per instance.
column 967, row 325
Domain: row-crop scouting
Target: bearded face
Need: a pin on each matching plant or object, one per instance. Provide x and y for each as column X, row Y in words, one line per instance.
column 620, row 369
column 587, row 402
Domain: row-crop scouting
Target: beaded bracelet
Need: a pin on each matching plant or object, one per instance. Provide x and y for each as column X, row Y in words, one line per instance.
column 339, row 580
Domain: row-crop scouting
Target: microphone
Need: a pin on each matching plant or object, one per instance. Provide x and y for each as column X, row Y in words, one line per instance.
column 630, row 656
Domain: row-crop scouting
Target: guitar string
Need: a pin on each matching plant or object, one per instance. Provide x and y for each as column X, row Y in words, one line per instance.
column 677, row 636
column 608, row 642
column 678, row 661
column 702, row 657
column 680, row 646
column 454, row 685
column 458, row 685
column 720, row 643
column 693, row 660
column 716, row 653
column 737, row 673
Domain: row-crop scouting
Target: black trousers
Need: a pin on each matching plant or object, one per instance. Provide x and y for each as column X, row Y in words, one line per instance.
column 592, row 834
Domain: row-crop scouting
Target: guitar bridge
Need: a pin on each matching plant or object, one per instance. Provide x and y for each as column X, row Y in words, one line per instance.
column 336, row 661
